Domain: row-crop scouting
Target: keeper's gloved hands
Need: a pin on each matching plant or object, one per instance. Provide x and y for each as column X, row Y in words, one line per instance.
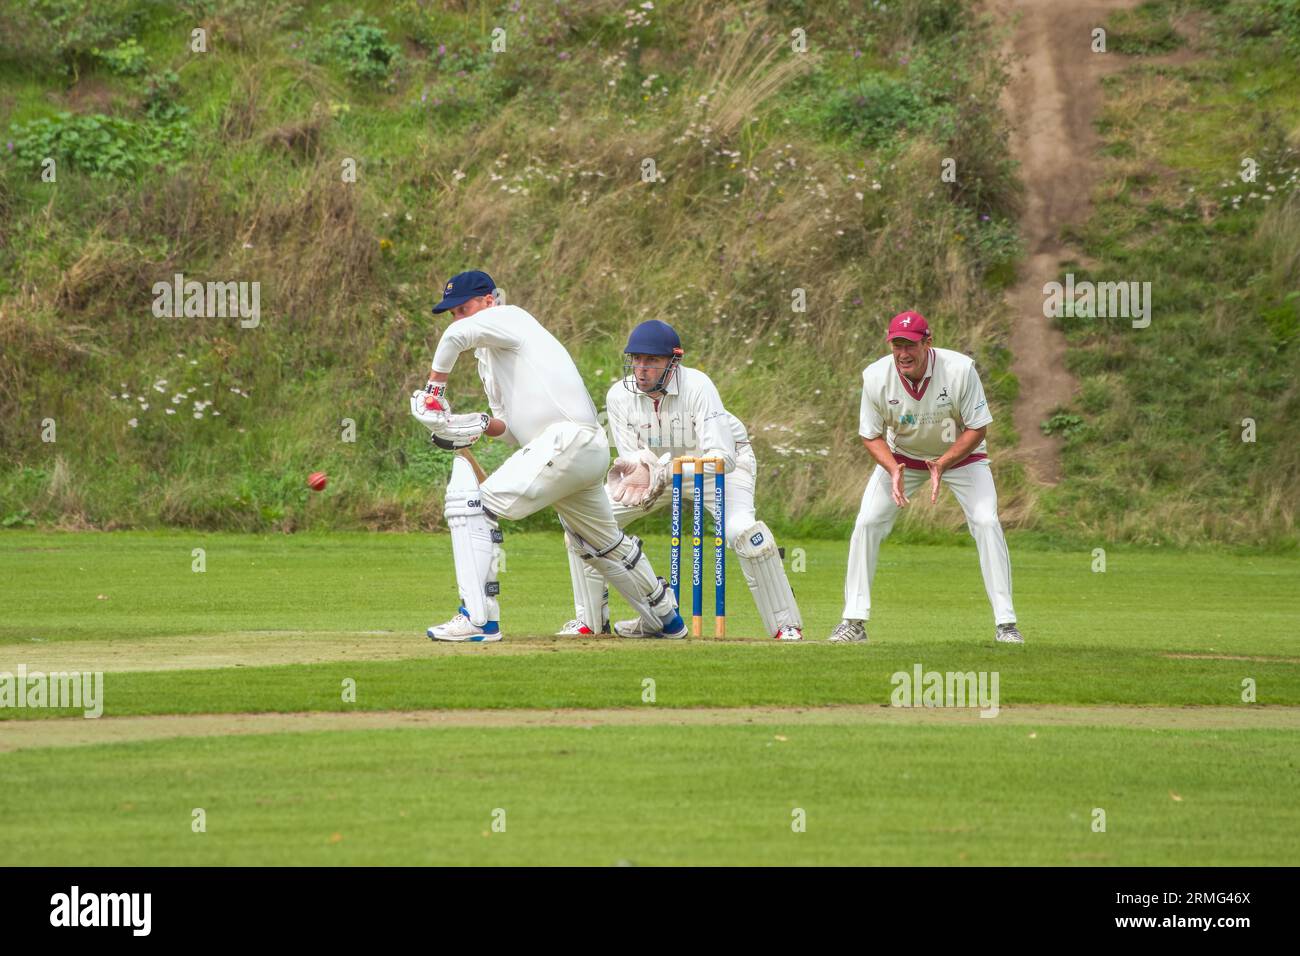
column 636, row 482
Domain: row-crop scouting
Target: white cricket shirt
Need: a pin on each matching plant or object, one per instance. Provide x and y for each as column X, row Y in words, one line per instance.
column 914, row 418
column 530, row 380
column 688, row 420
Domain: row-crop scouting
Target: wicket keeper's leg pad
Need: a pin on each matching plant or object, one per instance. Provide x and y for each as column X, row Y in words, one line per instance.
column 760, row 561
column 624, row 566
column 475, row 545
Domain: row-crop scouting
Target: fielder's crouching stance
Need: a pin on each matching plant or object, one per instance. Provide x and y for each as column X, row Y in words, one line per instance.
column 924, row 417
column 662, row 410
column 538, row 401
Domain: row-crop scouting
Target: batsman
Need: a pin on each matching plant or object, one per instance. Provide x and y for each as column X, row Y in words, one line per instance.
column 538, row 402
column 663, row 410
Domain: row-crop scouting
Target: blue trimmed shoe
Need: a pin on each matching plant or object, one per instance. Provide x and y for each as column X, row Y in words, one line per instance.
column 460, row 628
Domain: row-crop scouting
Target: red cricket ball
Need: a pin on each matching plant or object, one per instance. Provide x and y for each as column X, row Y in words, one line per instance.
column 316, row 480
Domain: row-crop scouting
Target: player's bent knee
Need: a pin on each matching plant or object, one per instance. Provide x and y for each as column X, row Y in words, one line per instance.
column 878, row 523
column 736, row 527
column 754, row 541
column 983, row 523
column 504, row 508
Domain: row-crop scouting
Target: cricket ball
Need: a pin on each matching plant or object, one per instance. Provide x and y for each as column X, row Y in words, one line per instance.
column 316, row 480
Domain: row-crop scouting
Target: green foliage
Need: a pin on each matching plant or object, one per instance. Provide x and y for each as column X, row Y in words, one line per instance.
column 362, row 47
column 22, row 518
column 1144, row 30
column 877, row 109
column 74, row 31
column 1261, row 18
column 103, row 146
column 126, row 59
column 1287, row 13
column 1063, row 424
column 160, row 98
column 526, row 162
column 100, row 145
column 1283, row 320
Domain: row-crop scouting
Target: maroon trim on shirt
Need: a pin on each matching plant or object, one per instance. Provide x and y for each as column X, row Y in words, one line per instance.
column 917, row 464
column 925, row 381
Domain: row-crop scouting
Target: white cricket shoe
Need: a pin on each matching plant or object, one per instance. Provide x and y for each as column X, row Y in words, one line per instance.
column 674, row 630
column 461, row 628
column 576, row 627
column 1009, row 634
column 789, row 632
column 848, row 632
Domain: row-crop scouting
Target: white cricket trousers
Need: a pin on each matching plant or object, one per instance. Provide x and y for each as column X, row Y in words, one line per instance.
column 563, row 467
column 972, row 484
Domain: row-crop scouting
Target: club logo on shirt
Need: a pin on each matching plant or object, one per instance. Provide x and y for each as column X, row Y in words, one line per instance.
column 944, row 393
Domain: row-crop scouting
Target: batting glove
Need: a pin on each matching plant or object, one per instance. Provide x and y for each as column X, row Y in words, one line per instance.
column 460, row 431
column 430, row 418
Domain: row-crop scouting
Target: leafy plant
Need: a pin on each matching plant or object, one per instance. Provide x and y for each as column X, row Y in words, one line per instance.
column 20, row 518
column 1063, row 424
column 126, row 59
column 100, row 145
column 362, row 46
column 161, row 92
column 75, row 30
column 877, row 109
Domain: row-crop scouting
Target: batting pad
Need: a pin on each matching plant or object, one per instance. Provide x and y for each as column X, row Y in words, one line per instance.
column 624, row 566
column 589, row 592
column 760, row 561
column 475, row 545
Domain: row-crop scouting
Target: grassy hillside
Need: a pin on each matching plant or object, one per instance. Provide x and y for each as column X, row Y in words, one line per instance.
column 773, row 170
column 1158, row 448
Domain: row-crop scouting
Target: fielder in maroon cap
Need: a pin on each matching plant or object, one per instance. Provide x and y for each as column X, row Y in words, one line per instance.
column 923, row 418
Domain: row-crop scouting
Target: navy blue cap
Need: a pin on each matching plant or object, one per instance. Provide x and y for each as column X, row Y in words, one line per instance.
column 653, row 338
column 463, row 287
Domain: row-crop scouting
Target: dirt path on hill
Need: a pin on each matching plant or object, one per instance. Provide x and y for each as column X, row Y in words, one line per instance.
column 1052, row 99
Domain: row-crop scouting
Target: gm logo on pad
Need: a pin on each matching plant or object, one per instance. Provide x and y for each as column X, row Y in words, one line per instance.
column 756, row 539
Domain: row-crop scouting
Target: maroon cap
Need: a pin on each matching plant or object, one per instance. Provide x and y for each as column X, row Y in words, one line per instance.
column 909, row 325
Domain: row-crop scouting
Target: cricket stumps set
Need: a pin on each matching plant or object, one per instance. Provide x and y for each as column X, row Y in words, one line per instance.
column 697, row 542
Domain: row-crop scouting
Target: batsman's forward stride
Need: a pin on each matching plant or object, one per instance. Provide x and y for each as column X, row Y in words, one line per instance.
column 538, row 402
column 662, row 410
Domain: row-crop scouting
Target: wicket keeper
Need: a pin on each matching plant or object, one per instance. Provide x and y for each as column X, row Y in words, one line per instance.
column 663, row 410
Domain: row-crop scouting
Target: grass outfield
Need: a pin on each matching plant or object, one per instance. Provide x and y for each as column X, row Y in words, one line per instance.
column 1193, row 602
column 276, row 624
column 997, row 794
